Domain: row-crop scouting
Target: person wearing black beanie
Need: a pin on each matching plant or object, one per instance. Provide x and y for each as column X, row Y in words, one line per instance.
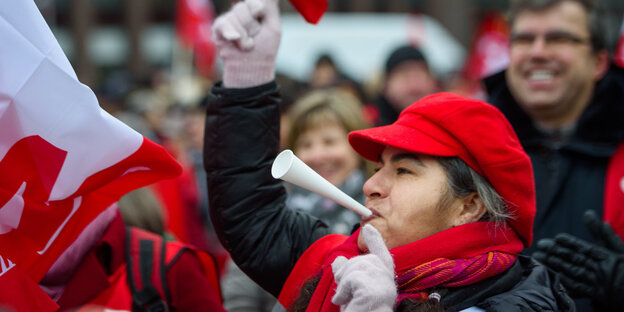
column 407, row 79
column 404, row 54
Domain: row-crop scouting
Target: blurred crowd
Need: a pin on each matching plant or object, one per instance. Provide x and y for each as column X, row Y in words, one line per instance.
column 317, row 115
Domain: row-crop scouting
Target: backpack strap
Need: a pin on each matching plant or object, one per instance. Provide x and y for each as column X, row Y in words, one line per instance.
column 146, row 271
column 614, row 192
column 209, row 265
column 148, row 259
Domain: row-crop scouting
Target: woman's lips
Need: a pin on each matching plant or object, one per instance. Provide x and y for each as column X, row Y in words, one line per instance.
column 371, row 217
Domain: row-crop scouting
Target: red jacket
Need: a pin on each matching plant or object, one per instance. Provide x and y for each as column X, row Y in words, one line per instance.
column 189, row 289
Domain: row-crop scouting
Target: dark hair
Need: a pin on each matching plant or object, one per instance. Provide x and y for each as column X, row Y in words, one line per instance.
column 463, row 181
column 403, row 54
column 595, row 17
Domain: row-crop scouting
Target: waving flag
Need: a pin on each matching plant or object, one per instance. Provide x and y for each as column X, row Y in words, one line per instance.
column 311, row 10
column 63, row 159
column 193, row 27
column 489, row 53
column 490, row 49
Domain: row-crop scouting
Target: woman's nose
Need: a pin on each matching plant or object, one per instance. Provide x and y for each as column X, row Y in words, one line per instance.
column 376, row 186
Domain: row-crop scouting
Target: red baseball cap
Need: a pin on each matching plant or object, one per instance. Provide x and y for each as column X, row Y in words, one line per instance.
column 446, row 124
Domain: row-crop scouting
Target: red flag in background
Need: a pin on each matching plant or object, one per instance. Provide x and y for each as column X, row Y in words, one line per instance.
column 311, row 10
column 63, row 159
column 488, row 54
column 193, row 27
column 618, row 58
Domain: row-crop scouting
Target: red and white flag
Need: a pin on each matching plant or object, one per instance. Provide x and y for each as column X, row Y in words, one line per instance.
column 63, row 159
column 489, row 52
column 194, row 30
column 618, row 58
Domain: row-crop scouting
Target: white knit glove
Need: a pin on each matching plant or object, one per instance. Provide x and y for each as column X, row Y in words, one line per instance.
column 366, row 282
column 248, row 36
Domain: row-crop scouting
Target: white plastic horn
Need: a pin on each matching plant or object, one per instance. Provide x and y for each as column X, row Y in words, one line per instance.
column 288, row 167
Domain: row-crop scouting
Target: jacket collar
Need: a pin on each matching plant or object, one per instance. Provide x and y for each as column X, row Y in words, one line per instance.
column 599, row 129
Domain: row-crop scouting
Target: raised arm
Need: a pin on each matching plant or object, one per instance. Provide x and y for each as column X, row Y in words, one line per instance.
column 241, row 138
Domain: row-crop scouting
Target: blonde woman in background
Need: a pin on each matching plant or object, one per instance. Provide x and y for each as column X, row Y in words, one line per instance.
column 317, row 133
column 320, row 122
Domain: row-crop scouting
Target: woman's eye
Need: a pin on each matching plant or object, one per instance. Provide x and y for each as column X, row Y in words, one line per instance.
column 403, row 171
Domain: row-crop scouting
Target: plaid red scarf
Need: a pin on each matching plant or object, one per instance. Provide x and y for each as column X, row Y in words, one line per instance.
column 459, row 256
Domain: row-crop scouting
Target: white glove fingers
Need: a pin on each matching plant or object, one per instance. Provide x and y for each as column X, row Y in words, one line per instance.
column 337, row 266
column 248, row 42
column 223, row 30
column 343, row 294
column 376, row 245
column 364, row 283
column 243, row 41
column 271, row 10
column 256, row 8
column 246, row 17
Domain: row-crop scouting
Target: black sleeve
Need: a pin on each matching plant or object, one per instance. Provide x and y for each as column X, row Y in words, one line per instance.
column 247, row 205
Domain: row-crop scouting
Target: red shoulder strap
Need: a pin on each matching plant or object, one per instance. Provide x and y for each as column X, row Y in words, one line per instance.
column 308, row 264
column 210, row 269
column 614, row 192
column 149, row 257
column 209, row 264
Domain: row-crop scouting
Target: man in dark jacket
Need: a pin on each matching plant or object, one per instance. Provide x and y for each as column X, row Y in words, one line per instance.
column 435, row 198
column 566, row 105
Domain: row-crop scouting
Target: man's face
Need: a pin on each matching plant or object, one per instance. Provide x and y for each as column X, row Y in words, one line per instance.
column 405, row 196
column 407, row 83
column 552, row 69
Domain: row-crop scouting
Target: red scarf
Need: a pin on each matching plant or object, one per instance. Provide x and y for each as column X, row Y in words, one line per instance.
column 459, row 256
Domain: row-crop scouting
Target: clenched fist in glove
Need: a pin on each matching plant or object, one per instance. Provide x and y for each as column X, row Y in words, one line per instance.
column 593, row 270
column 366, row 282
column 248, row 37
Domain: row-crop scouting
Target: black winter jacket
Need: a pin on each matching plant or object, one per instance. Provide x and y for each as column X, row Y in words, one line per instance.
column 570, row 174
column 265, row 238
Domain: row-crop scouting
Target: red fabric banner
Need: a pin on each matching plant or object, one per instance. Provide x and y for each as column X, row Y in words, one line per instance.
column 193, row 26
column 311, row 10
column 489, row 51
column 63, row 159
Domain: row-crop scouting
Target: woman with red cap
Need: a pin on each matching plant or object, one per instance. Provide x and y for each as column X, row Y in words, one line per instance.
column 453, row 198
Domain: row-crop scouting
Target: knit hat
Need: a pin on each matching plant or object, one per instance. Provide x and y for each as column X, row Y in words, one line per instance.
column 446, row 124
column 404, row 54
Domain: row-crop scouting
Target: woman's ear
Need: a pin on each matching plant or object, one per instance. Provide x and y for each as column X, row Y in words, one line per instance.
column 472, row 209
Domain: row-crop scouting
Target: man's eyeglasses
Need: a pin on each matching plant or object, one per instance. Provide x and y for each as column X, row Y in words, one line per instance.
column 555, row 39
